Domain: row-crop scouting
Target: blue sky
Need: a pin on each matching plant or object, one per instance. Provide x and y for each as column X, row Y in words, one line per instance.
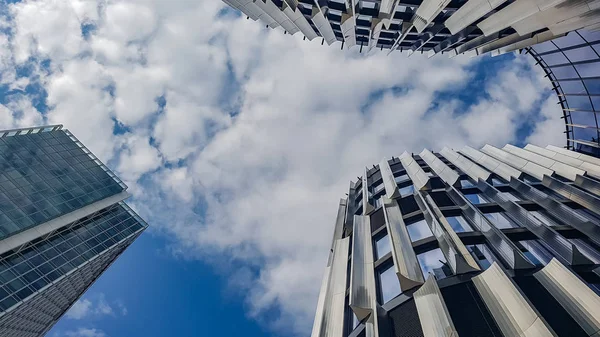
column 236, row 142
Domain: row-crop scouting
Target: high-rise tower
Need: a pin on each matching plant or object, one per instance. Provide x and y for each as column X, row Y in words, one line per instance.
column 490, row 242
column 62, row 223
column 433, row 26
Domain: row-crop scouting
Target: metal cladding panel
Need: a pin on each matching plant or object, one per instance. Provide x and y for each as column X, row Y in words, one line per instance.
column 387, row 6
column 391, row 189
column 495, row 237
column 465, row 165
column 583, row 198
column 513, row 13
column 367, row 207
column 496, row 166
column 277, row 14
column 318, row 323
column 556, row 242
column 496, row 46
column 536, row 39
column 303, row 25
column 265, row 16
column 558, row 210
column 510, row 309
column 589, row 19
column 470, row 12
column 363, row 296
column 580, row 156
column 348, row 26
column 338, row 231
column 517, row 162
column 591, row 169
column 405, row 261
column 350, row 206
column 426, row 12
column 252, row 12
column 419, row 178
column 323, row 25
column 551, row 16
column 434, row 316
column 575, row 296
column 564, row 170
column 588, row 184
column 454, row 250
column 442, row 170
column 334, row 307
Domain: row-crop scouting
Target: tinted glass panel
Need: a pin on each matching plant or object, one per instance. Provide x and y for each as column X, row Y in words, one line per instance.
column 434, row 262
column 459, row 224
column 390, row 286
column 382, row 246
column 45, row 175
column 418, row 230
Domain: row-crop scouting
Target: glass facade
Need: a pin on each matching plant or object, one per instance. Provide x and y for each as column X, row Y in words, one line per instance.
column 572, row 63
column 484, row 235
column 45, row 175
column 51, row 183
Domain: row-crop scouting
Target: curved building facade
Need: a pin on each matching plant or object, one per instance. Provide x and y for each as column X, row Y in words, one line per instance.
column 572, row 64
column 432, row 26
column 489, row 242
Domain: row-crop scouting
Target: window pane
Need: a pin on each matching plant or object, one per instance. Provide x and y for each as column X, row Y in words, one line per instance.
column 401, row 178
column 418, row 230
column 466, row 183
column 500, row 221
column 382, row 246
column 390, row 286
column 459, row 224
column 478, row 254
column 434, row 262
column 535, row 252
column 407, row 190
column 476, row 198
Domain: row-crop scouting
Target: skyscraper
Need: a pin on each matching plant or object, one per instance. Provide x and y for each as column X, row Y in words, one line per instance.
column 62, row 223
column 490, row 242
column 433, row 26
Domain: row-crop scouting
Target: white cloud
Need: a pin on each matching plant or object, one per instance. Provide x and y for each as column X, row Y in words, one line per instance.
column 248, row 166
column 85, row 332
column 95, row 307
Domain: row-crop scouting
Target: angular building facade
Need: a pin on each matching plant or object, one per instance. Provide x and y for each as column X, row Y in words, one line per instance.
column 62, row 223
column 433, row 26
column 489, row 242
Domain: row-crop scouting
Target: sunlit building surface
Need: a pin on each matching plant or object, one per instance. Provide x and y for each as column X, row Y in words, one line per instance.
column 572, row 64
column 62, row 223
column 432, row 26
column 489, row 242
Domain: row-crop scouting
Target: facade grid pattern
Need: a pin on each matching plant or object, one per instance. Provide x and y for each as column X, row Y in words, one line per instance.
column 472, row 221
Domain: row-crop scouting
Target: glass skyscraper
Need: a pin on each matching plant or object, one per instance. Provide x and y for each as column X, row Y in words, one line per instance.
column 62, row 223
column 498, row 242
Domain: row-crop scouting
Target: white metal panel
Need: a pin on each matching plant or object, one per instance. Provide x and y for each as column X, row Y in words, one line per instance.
column 496, row 46
column 367, row 207
column 266, row 16
column 387, row 6
column 582, row 21
column 442, row 170
column 533, row 169
column 323, row 25
column 419, row 178
column 503, row 170
column 551, row 16
column 564, row 170
column 537, row 38
column 465, row 165
column 470, row 12
column 348, row 29
column 514, row 13
column 580, row 156
column 318, row 323
column 573, row 295
column 302, row 24
column 433, row 314
column 363, row 298
column 334, row 306
column 591, row 169
column 391, row 188
column 510, row 310
column 426, row 12
column 404, row 257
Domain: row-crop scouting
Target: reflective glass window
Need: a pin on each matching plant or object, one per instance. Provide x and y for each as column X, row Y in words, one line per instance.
column 555, row 58
column 434, row 262
column 581, row 54
column 418, row 230
column 500, row 220
column 592, row 85
column 466, row 183
column 407, row 190
column 588, row 69
column 382, row 246
column 572, row 87
column 569, row 40
column 390, row 286
column 476, row 198
column 535, row 252
column 564, row 72
column 401, row 178
column 477, row 251
column 459, row 224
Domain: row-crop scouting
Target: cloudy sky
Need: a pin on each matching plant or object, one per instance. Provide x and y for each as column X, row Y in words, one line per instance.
column 237, row 142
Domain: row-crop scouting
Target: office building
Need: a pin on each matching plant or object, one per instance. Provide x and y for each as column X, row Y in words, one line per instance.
column 450, row 27
column 572, row 64
column 489, row 242
column 62, row 223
